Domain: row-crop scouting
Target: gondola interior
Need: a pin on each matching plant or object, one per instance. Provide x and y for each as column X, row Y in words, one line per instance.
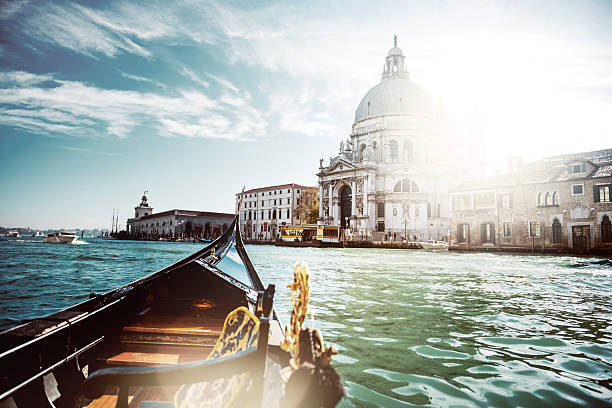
column 162, row 326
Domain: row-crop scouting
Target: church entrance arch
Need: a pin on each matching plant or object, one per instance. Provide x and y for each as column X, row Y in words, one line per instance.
column 345, row 205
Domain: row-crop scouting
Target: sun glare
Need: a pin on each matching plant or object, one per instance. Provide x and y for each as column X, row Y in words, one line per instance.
column 519, row 91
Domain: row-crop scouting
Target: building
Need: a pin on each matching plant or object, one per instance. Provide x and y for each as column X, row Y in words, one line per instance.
column 557, row 203
column 263, row 210
column 175, row 223
column 393, row 174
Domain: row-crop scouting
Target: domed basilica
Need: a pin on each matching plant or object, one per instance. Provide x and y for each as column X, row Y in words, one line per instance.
column 393, row 174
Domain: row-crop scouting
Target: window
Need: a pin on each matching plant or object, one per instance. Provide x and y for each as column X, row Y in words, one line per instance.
column 557, row 235
column 462, row 232
column 381, row 209
column 487, row 233
column 555, row 198
column 406, row 186
column 534, row 229
column 274, row 202
column 262, row 215
column 507, row 229
column 288, row 213
column 416, row 212
column 577, row 189
column 262, row 203
column 606, row 229
column 548, row 199
column 394, row 212
column 462, row 202
column 577, row 168
column 504, row 200
column 393, row 148
column 540, row 203
column 484, row 200
column 601, row 193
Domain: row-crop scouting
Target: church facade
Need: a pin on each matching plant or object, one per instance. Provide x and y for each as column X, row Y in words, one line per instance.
column 393, row 174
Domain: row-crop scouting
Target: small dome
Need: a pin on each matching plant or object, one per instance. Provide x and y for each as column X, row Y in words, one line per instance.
column 395, row 51
column 394, row 96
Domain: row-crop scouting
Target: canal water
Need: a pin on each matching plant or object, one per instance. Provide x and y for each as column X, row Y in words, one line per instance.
column 412, row 328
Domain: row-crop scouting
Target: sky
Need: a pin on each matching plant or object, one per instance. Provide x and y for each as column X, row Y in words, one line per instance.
column 192, row 100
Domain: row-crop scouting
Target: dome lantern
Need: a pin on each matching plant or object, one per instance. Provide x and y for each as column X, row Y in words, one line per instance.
column 395, row 63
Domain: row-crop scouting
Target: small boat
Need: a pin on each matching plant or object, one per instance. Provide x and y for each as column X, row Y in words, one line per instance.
column 434, row 245
column 204, row 241
column 151, row 338
column 13, row 234
column 60, row 238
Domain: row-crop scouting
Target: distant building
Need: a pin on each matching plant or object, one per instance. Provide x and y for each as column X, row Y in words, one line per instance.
column 393, row 174
column 561, row 202
column 264, row 210
column 176, row 223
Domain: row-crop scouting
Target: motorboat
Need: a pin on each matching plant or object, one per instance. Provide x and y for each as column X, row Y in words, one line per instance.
column 434, row 245
column 60, row 238
column 13, row 234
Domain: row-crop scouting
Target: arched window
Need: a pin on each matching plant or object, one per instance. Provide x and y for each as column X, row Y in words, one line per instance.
column 393, row 148
column 539, row 198
column 547, row 199
column 381, row 209
column 557, row 236
column 406, row 186
column 555, row 198
column 606, row 229
column 274, row 214
column 250, row 216
column 408, row 151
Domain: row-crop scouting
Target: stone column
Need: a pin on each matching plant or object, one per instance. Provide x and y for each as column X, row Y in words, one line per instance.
column 321, row 200
column 331, row 202
column 353, row 198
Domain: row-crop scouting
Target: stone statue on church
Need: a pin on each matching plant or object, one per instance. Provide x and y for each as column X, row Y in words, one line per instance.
column 369, row 154
column 341, row 146
column 320, row 163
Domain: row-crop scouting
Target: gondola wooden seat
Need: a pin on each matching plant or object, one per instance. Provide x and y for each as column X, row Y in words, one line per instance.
column 231, row 376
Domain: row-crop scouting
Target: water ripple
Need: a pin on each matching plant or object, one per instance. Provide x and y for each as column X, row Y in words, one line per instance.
column 412, row 328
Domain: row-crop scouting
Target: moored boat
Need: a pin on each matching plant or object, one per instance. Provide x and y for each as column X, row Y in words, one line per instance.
column 60, row 238
column 434, row 245
column 151, row 338
column 13, row 234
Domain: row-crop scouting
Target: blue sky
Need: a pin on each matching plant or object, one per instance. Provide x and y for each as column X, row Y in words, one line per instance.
column 192, row 100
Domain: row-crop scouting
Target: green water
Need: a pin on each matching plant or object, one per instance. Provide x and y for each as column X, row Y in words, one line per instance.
column 412, row 328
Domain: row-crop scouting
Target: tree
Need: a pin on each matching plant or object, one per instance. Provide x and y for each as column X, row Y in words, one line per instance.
column 313, row 215
column 308, row 200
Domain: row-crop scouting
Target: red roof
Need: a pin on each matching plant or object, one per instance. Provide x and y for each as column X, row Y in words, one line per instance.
column 281, row 186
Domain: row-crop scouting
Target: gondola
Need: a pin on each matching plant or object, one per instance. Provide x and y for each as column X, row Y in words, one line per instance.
column 139, row 345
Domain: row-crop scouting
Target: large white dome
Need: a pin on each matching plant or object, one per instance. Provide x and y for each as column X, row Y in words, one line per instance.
column 394, row 96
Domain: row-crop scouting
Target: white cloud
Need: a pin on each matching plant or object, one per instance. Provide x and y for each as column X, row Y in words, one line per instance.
column 78, row 109
column 186, row 72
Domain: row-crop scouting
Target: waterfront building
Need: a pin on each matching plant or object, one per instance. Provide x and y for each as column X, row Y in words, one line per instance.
column 264, row 210
column 392, row 176
column 557, row 203
column 175, row 223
